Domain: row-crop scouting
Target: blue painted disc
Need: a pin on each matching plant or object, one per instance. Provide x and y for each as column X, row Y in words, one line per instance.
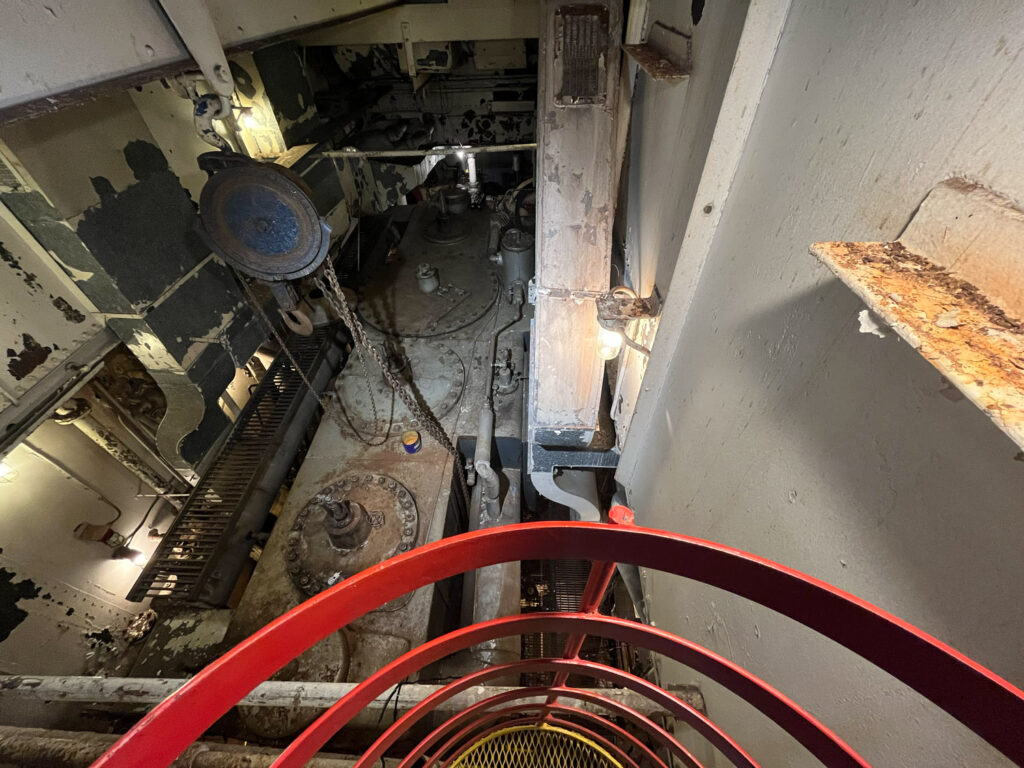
column 259, row 218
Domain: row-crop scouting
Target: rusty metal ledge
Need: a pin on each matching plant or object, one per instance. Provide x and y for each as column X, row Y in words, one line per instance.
column 954, row 326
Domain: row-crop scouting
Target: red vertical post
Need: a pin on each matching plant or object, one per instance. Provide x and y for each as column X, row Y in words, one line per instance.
column 593, row 595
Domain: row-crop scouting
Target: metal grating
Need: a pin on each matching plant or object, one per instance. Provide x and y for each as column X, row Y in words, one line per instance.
column 534, row 746
column 190, row 547
column 559, row 585
column 581, row 48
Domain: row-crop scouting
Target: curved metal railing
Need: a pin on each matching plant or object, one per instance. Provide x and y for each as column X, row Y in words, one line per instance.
column 984, row 702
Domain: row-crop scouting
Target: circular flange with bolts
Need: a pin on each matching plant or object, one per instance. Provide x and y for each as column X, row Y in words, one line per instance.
column 260, row 219
column 314, row 563
column 440, row 377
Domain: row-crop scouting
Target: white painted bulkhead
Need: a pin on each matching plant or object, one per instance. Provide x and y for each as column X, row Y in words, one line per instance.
column 767, row 422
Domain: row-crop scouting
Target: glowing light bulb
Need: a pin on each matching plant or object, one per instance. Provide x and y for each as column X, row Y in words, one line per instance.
column 608, row 343
column 248, row 118
column 461, row 155
column 134, row 556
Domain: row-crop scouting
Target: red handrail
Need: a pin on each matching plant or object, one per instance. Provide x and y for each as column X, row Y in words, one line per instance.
column 651, row 728
column 488, row 717
column 309, row 741
column 986, row 703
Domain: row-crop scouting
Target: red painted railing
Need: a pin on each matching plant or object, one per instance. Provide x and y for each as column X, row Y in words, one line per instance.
column 984, row 702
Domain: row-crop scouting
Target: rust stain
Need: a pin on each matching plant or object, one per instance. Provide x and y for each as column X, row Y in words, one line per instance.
column 968, row 338
column 655, row 63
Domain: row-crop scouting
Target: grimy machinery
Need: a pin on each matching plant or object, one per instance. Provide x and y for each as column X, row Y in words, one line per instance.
column 377, row 411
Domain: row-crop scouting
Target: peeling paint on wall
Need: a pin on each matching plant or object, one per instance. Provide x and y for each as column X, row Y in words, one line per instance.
column 33, row 354
column 145, row 235
column 28, row 278
column 284, row 77
column 11, row 593
column 71, row 314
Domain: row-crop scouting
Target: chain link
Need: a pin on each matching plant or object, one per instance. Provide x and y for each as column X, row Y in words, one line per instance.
column 327, row 281
column 322, row 400
column 254, row 302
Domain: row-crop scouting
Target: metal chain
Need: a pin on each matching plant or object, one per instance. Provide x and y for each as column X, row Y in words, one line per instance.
column 373, row 402
column 322, row 400
column 327, row 281
column 255, row 304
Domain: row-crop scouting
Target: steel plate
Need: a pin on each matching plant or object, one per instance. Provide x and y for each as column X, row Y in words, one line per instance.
column 440, row 378
column 392, row 302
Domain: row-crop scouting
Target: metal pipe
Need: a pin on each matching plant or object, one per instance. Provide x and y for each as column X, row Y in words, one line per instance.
column 144, row 433
column 485, row 431
column 79, row 415
column 32, row 747
column 488, row 478
column 146, row 691
column 446, row 151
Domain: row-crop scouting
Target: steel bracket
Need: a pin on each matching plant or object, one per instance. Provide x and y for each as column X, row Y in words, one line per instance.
column 192, row 21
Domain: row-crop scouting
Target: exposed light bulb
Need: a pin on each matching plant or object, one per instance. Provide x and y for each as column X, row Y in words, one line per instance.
column 248, row 118
column 135, row 556
column 461, row 155
column 608, row 343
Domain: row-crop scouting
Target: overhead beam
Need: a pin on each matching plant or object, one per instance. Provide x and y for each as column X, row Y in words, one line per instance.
column 109, row 47
column 432, row 23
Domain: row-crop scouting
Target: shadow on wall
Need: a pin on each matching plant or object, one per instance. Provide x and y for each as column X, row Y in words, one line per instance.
column 912, row 462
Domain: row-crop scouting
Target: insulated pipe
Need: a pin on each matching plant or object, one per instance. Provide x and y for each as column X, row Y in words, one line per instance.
column 488, row 478
column 147, row 691
column 79, row 415
column 44, row 748
column 474, row 184
column 446, row 151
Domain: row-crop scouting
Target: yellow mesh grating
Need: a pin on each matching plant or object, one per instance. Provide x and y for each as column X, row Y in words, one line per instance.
column 534, row 746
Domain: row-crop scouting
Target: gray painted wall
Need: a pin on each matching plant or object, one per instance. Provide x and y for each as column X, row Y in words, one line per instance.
column 781, row 430
column 671, row 127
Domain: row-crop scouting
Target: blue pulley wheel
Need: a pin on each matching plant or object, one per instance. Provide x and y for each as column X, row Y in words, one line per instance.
column 260, row 219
